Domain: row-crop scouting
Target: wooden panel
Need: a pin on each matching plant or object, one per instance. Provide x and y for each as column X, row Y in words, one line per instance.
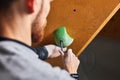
column 83, row 19
column 112, row 29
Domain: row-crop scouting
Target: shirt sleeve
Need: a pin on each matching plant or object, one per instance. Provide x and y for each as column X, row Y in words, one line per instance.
column 75, row 76
column 20, row 68
column 23, row 64
column 41, row 52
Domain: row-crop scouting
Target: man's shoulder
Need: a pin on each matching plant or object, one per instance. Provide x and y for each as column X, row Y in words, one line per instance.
column 10, row 47
column 21, row 63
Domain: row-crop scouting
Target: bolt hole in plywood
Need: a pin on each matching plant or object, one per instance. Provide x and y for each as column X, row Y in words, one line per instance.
column 74, row 10
column 83, row 19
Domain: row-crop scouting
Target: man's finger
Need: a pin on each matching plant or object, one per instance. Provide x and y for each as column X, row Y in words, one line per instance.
column 64, row 49
column 61, row 52
column 69, row 53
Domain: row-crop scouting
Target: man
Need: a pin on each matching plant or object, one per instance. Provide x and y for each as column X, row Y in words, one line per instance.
column 21, row 22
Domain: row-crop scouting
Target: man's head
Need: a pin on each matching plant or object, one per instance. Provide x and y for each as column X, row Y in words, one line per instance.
column 30, row 14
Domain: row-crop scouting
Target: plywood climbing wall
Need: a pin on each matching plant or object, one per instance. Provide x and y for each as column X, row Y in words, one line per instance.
column 83, row 19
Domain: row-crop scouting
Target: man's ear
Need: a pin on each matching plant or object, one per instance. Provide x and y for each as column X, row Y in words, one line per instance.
column 30, row 6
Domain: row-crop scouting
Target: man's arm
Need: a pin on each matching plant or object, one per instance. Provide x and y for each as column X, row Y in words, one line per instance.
column 20, row 68
column 70, row 59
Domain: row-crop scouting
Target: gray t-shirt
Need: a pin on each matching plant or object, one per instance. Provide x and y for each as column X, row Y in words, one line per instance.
column 18, row 62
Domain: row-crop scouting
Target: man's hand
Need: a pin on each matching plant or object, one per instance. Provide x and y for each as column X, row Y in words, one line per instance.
column 71, row 62
column 54, row 51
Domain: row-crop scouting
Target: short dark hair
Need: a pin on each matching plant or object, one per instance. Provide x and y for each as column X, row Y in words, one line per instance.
column 5, row 4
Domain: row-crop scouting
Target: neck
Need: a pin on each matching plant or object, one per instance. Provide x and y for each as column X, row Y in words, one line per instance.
column 17, row 29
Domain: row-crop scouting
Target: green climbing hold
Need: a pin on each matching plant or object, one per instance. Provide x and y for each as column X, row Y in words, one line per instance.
column 61, row 35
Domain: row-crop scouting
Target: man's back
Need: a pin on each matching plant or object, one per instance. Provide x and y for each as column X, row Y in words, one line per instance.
column 18, row 62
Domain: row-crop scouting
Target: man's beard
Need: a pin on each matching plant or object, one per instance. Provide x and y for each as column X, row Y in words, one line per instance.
column 38, row 30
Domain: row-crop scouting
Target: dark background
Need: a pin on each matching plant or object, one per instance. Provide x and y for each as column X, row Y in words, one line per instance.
column 101, row 60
